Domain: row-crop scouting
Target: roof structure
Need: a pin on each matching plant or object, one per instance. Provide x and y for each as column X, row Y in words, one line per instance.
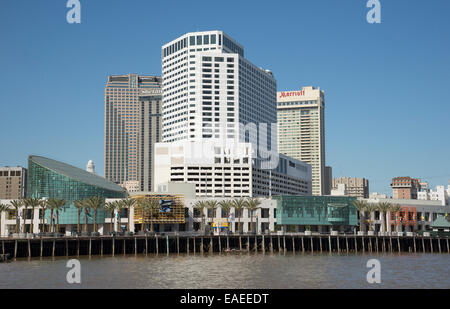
column 76, row 173
column 440, row 222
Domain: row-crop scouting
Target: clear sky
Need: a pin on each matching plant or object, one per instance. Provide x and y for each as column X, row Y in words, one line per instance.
column 386, row 85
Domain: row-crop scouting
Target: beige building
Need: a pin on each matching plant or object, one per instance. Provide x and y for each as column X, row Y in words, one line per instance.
column 357, row 187
column 301, row 130
column 132, row 127
column 13, row 182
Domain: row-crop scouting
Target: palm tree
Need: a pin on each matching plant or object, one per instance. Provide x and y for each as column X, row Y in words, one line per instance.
column 238, row 205
column 96, row 203
column 152, row 206
column 370, row 208
column 55, row 205
column 252, row 204
column 24, row 215
column 128, row 203
column 200, row 206
column 141, row 204
column 360, row 206
column 212, row 206
column 3, row 208
column 226, row 205
column 86, row 212
column 32, row 202
column 17, row 204
column 79, row 205
column 111, row 207
column 395, row 208
column 384, row 207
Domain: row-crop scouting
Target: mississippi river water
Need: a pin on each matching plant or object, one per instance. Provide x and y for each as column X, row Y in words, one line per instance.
column 232, row 270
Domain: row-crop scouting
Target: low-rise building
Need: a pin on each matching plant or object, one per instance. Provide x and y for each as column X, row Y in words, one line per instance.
column 356, row 187
column 13, row 182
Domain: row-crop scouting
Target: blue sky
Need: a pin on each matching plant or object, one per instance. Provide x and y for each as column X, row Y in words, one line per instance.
column 386, row 85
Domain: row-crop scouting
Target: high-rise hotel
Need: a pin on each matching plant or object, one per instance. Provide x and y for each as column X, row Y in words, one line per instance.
column 218, row 111
column 132, row 127
column 301, row 130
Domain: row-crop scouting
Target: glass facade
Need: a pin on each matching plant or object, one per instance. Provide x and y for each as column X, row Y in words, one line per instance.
column 52, row 179
column 316, row 210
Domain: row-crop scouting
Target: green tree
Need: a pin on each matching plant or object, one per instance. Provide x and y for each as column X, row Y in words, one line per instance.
column 212, row 206
column 370, row 208
column 55, row 205
column 110, row 207
column 128, row 203
column 226, row 206
column 200, row 206
column 33, row 202
column 384, row 207
column 239, row 205
column 17, row 204
column 95, row 203
column 395, row 209
column 252, row 204
column 360, row 206
column 79, row 205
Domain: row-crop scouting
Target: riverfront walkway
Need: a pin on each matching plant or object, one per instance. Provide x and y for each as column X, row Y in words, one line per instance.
column 165, row 244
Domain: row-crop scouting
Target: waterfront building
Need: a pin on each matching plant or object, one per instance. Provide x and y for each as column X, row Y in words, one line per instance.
column 48, row 178
column 340, row 190
column 414, row 216
column 301, row 130
column 405, row 187
column 356, row 187
column 132, row 127
column 219, row 103
column 316, row 213
column 13, row 182
column 228, row 171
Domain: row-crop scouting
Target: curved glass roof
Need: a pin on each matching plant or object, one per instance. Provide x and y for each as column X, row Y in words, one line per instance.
column 76, row 173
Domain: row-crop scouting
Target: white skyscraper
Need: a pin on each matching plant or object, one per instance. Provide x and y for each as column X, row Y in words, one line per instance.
column 217, row 101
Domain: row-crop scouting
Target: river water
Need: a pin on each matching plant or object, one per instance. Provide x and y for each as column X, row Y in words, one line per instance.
column 232, row 270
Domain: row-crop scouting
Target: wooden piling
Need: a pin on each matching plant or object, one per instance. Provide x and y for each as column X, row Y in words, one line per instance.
column 113, row 245
column 363, row 244
column 135, row 245
column 293, row 244
column 415, row 249
column 3, row 247
column 312, row 245
column 356, row 244
column 431, row 245
column 423, row 244
column 29, row 248
column 210, row 245
column 390, row 244
column 256, row 244
column 201, row 244
column 228, row 242
column 263, row 244
column 320, row 243
column 53, row 249
column 220, row 244
column 439, row 244
column 398, row 244
column 284, row 243
column 346, row 243
column 156, row 244
column 271, row 244
column 240, row 243
column 90, row 246
column 42, row 247
column 279, row 244
column 187, row 245
column 338, row 244
column 329, row 243
column 376, row 242
column 178, row 244
column 194, row 244
column 67, row 247
column 146, row 244
column 167, row 245
column 248, row 244
column 448, row 248
column 15, row 248
column 101, row 246
column 303, row 245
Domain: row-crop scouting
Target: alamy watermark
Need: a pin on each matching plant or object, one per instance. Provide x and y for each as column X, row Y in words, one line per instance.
column 374, row 274
column 74, row 273
column 74, row 14
column 374, row 14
